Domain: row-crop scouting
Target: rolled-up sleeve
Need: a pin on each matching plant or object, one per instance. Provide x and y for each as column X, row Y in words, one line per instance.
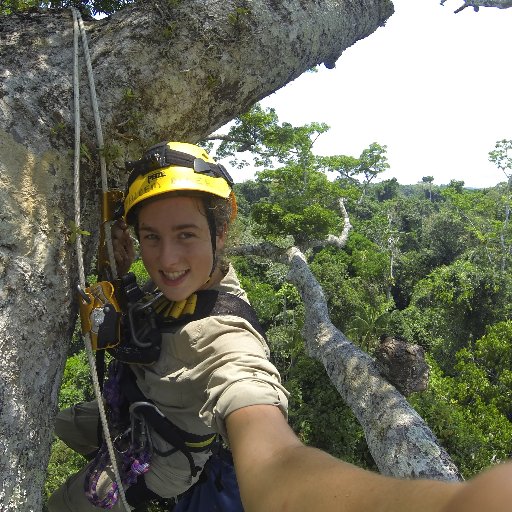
column 239, row 372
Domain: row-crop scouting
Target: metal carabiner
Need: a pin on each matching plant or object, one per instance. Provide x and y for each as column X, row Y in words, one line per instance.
column 141, row 430
column 121, row 443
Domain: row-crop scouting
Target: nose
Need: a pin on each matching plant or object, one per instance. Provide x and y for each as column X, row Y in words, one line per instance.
column 170, row 254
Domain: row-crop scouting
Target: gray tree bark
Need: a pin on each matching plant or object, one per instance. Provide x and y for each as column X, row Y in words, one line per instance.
column 170, row 70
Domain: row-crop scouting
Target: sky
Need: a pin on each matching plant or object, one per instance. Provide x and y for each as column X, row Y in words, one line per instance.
column 431, row 85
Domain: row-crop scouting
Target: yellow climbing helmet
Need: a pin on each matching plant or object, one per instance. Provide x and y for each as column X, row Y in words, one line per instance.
column 176, row 167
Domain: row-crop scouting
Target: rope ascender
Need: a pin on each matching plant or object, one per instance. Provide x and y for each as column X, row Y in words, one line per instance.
column 103, row 297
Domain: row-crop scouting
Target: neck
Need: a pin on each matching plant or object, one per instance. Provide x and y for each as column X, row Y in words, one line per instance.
column 214, row 280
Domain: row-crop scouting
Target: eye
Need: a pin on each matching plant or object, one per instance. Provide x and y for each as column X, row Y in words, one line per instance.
column 150, row 237
column 185, row 235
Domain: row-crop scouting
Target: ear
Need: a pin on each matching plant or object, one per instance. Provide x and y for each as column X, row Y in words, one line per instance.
column 221, row 239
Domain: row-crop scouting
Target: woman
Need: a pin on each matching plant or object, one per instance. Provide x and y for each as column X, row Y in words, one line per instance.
column 180, row 204
column 212, row 375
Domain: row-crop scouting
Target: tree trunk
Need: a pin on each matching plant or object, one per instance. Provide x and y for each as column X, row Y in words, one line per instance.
column 170, row 70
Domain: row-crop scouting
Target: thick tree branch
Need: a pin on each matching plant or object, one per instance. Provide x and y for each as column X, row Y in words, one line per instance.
column 337, row 241
column 401, row 443
column 476, row 4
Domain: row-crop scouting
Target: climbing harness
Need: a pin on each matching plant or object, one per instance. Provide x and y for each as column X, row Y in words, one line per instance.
column 132, row 445
column 129, row 323
column 134, row 417
column 148, row 414
column 141, row 337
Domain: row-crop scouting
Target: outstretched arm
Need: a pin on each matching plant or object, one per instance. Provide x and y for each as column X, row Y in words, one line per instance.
column 276, row 472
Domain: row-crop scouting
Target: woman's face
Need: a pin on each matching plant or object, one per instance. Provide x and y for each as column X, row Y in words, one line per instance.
column 175, row 245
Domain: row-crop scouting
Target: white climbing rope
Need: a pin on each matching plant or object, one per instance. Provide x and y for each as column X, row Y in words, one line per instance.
column 99, row 138
column 78, row 26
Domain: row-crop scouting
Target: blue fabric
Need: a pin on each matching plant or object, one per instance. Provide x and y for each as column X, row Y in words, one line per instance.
column 216, row 491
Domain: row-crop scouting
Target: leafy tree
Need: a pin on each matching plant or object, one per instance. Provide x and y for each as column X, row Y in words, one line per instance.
column 429, row 180
column 444, row 237
column 502, row 158
column 330, row 267
column 366, row 260
column 302, row 203
column 270, row 142
column 386, row 190
column 368, row 323
column 453, row 305
column 295, row 198
column 484, row 213
column 371, row 162
column 263, row 296
column 472, row 407
column 493, row 355
column 248, row 193
column 456, row 185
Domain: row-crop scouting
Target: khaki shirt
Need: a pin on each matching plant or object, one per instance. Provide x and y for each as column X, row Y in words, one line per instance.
column 207, row 369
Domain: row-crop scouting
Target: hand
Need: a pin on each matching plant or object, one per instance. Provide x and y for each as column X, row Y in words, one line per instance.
column 124, row 251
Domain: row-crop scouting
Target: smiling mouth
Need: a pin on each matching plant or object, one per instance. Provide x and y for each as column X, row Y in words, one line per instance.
column 173, row 276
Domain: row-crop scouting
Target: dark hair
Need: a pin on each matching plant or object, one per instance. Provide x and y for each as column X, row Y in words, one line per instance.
column 220, row 208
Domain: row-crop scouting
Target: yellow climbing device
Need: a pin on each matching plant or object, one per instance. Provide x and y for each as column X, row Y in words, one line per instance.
column 100, row 315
